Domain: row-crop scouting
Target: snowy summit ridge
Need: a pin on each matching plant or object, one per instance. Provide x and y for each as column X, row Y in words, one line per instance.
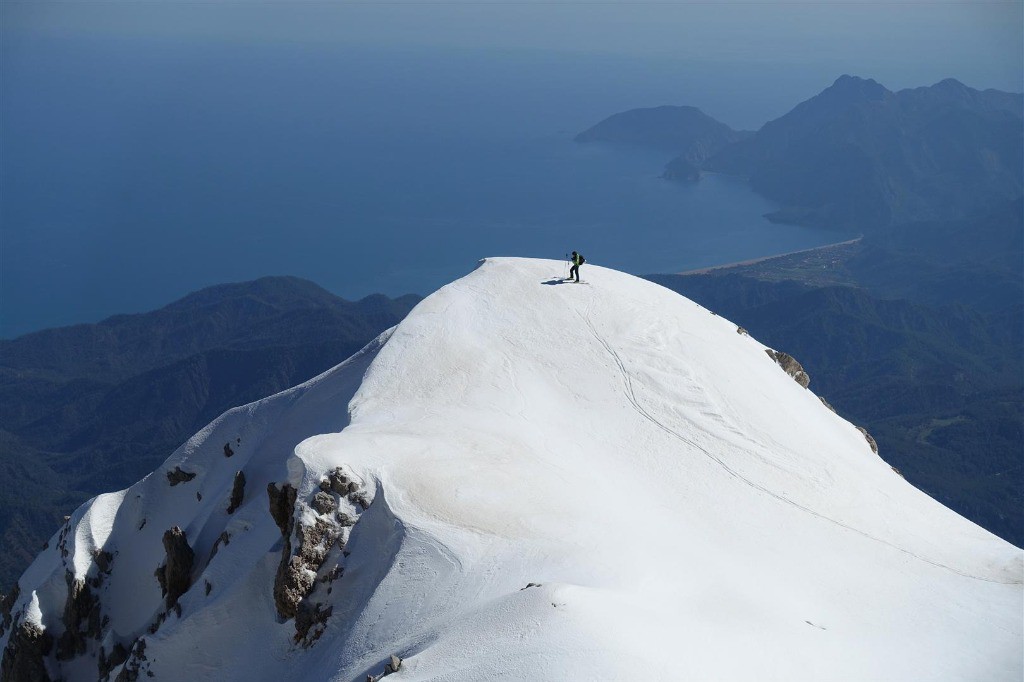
column 601, row 481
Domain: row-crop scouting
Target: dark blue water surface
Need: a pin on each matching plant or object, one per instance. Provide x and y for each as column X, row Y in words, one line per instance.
column 133, row 174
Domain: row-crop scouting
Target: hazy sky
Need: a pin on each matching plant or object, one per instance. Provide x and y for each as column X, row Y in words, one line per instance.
column 899, row 43
column 320, row 139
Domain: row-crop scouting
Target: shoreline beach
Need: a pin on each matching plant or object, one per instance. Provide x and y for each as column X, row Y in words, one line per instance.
column 755, row 261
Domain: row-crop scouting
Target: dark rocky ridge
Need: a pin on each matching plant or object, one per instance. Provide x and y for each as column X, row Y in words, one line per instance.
column 81, row 619
column 106, row 664
column 178, row 476
column 175, row 575
column 23, row 659
column 237, row 492
column 300, row 589
column 93, row 408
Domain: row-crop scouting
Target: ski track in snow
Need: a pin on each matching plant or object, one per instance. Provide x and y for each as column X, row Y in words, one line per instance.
column 631, row 396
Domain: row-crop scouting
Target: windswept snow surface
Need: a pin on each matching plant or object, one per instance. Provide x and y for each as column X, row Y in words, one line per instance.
column 687, row 509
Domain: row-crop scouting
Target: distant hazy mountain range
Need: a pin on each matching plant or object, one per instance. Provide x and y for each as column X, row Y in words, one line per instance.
column 856, row 156
column 917, row 329
column 92, row 408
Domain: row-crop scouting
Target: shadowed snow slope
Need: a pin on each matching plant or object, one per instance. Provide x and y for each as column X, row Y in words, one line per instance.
column 687, row 510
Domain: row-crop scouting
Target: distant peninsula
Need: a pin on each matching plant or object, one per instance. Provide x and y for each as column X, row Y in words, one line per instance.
column 857, row 156
column 687, row 132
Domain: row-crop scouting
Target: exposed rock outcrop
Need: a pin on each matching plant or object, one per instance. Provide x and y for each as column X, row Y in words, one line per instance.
column 826, row 404
column 392, row 666
column 104, row 560
column 323, row 503
column 175, row 575
column 137, row 663
column 178, row 476
column 282, row 507
column 297, row 576
column 360, row 499
column 223, row 539
column 105, row 664
column 237, row 492
column 282, row 510
column 7, row 606
column 869, row 439
column 24, row 657
column 228, row 452
column 789, row 364
column 81, row 619
column 313, row 553
column 308, row 616
column 62, row 538
column 337, row 482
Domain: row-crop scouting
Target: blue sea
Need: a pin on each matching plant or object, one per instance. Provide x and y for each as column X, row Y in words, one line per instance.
column 134, row 173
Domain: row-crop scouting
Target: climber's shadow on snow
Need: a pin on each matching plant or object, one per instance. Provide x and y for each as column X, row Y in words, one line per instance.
column 556, row 280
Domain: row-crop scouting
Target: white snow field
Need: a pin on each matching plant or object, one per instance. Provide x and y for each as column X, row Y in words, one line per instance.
column 688, row 511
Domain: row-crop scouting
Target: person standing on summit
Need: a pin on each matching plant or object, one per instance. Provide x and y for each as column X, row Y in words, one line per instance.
column 577, row 261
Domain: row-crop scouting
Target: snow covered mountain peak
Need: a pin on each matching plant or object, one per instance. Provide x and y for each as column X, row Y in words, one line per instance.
column 530, row 479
